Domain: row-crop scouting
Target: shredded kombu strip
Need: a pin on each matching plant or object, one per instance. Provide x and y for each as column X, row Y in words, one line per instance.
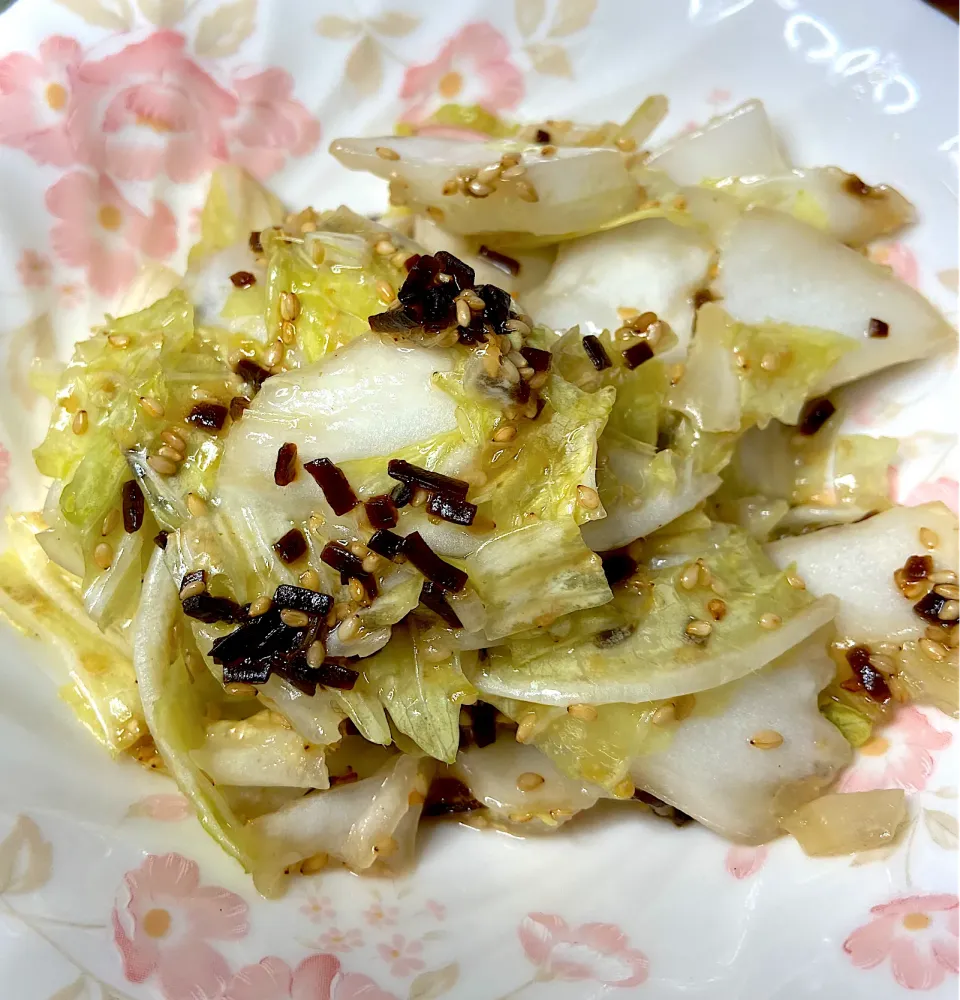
column 291, row 546
column 433, row 482
column 596, row 352
column 814, row 415
column 431, row 565
column 285, row 471
column 251, row 372
column 866, row 676
column 381, row 511
column 208, row 416
column 433, row 597
column 132, row 506
column 331, row 480
column 452, row 509
column 448, row 796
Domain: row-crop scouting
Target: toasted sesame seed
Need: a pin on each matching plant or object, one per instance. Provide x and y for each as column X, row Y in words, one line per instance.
column 588, row 497
column 717, row 609
column 110, row 522
column 624, row 789
column 152, row 406
column 435, row 213
column 419, row 497
column 162, row 465
column 318, row 252
column 479, row 190
column 119, row 340
column 526, row 726
column 260, row 606
column 386, row 153
column 384, row 248
column 475, row 302
column 273, row 354
column 294, row 619
column 513, row 172
column 767, row 739
column 315, row 863
column 887, row 648
column 240, row 690
column 80, row 422
column 196, row 505
column 165, row 451
column 942, row 576
column 193, row 588
column 699, row 628
column 370, row 562
column 464, row 315
column 585, row 713
column 950, row 611
column 289, row 306
column 539, row 380
column 664, row 715
column 770, row 620
column 310, row 580
column 689, row 576
column 548, row 150
column 490, row 173
column 357, row 591
column 917, row 589
column 288, row 332
column 933, row 650
column 948, row 590
column 677, row 372
column 796, row 582
column 315, row 654
column 519, row 817
column 529, row 780
column 509, row 371
column 505, row 433
column 450, row 186
column 103, row 555
column 770, row 362
column 883, row 663
column 173, row 439
column 348, row 628
column 526, row 191
column 358, row 549
column 626, row 144
column 929, row 538
column 526, row 371
column 704, row 576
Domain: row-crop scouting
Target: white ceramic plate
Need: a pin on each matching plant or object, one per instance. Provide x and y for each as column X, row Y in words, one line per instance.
column 107, row 888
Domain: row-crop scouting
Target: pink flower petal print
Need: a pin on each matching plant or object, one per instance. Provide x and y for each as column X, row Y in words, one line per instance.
column 599, row 952
column 943, row 489
column 473, row 67
column 742, row 862
column 402, row 956
column 318, row 977
column 271, row 124
column 164, row 926
column 165, row 807
column 341, row 941
column 4, row 470
column 313, row 978
column 917, row 933
column 33, row 269
column 37, row 99
column 150, row 109
column 900, row 259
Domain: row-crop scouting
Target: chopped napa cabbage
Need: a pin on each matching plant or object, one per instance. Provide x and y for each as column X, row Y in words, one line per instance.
column 337, row 277
column 363, row 707
column 422, row 696
column 855, row 727
column 856, row 562
column 656, row 657
column 647, row 266
column 710, row 769
column 928, row 681
column 463, row 118
column 316, row 717
column 260, row 751
column 578, row 188
column 768, row 256
column 739, row 375
column 828, row 198
column 848, row 822
column 42, row 600
column 491, row 774
column 739, row 143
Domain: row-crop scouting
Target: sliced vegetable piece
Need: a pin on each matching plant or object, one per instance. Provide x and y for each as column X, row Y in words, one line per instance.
column 848, row 822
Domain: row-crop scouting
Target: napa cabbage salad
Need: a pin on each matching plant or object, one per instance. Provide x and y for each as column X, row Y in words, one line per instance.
column 532, row 492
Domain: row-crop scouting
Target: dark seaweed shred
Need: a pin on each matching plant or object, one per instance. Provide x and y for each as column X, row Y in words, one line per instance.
column 496, row 307
column 256, row 638
column 394, row 321
column 428, row 294
column 132, row 506
column 207, row 608
column 433, row 482
column 538, row 360
column 194, row 576
column 877, row 328
column 662, row 809
column 432, row 597
column 855, row 186
column 160, row 539
column 386, row 543
column 347, row 778
column 867, row 677
column 636, row 355
column 542, row 136
column 613, row 636
column 291, row 546
column 702, row 296
column 814, row 415
column 929, row 606
column 301, row 599
column 500, row 260
column 918, row 568
column 381, row 511
column 520, row 393
column 342, row 560
column 402, row 494
column 483, row 723
column 431, row 565
column 337, row 490
column 254, row 243
column 595, row 352
column 618, row 566
column 456, row 510
column 237, row 405
column 336, row 675
column 243, row 279
column 251, row 372
column 208, row 416
column 449, row 796
column 285, row 470
column 247, row 672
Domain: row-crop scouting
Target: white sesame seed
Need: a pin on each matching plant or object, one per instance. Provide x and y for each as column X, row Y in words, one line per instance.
column 884, row 664
column 943, row 576
column 509, row 371
column 240, row 690
column 370, row 562
column 260, row 606
column 173, row 439
column 193, row 588
column 588, row 497
column 677, row 372
column 289, row 306
column 348, row 628
column 119, row 340
column 310, row 580
column 196, row 505
column 103, row 555
column 464, row 315
column 315, row 654
column 384, row 248
column 386, row 153
column 539, row 380
column 704, row 577
column 664, row 715
column 385, row 291
column 929, row 538
column 526, row 726
column 526, row 191
column 624, row 789
column 450, row 187
column 717, row 609
column 529, row 780
column 162, row 465
column 933, row 650
column 165, row 451
column 152, row 406
column 80, row 422
column 273, row 354
column 513, row 172
column 288, row 332
column 294, row 619
column 435, row 213
column 950, row 611
column 357, row 591
column 770, row 362
column 626, row 144
column 796, row 582
column 766, row 739
column 490, row 173
column 586, row 713
column 948, row 590
column 770, row 620
column 689, row 576
column 110, row 522
column 505, row 433
column 699, row 628
column 479, row 190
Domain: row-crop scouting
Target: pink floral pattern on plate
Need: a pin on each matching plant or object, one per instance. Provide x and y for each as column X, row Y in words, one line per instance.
column 403, row 956
column 943, row 489
column 473, row 67
column 319, row 977
column 33, row 269
column 164, row 927
column 318, row 908
column 901, row 756
column 917, row 933
column 742, row 861
column 167, row 807
column 338, row 940
column 599, row 952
